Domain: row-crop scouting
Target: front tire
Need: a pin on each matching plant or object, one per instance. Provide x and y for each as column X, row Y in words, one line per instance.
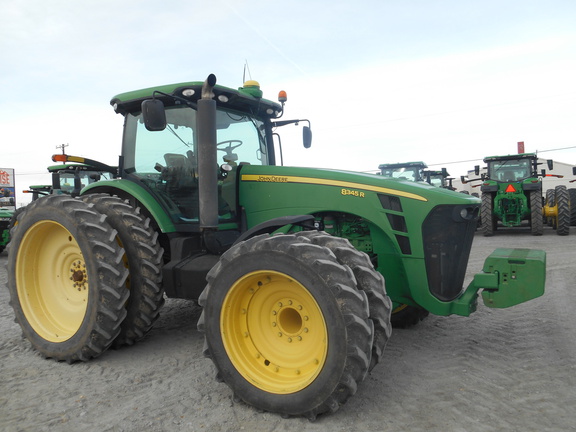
column 368, row 279
column 286, row 325
column 66, row 278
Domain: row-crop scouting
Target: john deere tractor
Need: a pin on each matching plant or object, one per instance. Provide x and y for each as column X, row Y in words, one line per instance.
column 70, row 177
column 288, row 263
column 412, row 171
column 439, row 178
column 511, row 192
column 7, row 208
column 560, row 207
column 5, row 217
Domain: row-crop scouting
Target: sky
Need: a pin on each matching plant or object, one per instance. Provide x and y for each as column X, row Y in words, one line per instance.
column 446, row 82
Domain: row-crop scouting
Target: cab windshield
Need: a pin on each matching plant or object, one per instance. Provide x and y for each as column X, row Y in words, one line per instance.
column 166, row 161
column 509, row 170
column 410, row 173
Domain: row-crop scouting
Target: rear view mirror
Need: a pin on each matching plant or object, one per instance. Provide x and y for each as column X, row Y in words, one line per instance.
column 307, row 136
column 154, row 115
column 477, row 169
column 550, row 164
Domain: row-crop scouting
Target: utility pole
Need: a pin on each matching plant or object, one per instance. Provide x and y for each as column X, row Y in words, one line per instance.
column 62, row 146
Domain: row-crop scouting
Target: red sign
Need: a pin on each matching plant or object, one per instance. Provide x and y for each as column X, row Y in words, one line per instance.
column 6, row 177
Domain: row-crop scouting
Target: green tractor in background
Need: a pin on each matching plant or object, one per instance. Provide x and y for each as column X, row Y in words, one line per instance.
column 7, row 207
column 5, row 218
column 67, row 178
column 511, row 192
column 412, row 171
column 288, row 263
column 72, row 176
column 439, row 178
column 560, row 207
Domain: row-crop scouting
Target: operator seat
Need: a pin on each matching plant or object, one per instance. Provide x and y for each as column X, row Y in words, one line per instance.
column 508, row 176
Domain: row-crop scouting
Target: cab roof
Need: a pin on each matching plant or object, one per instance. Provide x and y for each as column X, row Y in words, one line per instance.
column 511, row 157
column 247, row 98
column 403, row 165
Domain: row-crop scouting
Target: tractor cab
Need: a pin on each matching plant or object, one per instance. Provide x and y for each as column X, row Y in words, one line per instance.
column 510, row 170
column 163, row 138
column 439, row 178
column 411, row 171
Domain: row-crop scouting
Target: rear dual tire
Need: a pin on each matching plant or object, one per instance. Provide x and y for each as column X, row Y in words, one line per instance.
column 563, row 210
column 487, row 217
column 142, row 258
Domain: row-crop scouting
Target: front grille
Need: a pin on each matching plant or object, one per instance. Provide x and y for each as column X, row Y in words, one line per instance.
column 447, row 233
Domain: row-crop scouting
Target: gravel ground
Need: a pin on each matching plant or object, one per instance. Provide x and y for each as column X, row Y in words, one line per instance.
column 511, row 369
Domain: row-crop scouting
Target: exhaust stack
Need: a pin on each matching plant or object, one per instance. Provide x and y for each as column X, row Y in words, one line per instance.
column 207, row 157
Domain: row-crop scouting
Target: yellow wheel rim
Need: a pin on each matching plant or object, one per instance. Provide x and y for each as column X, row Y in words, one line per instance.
column 274, row 332
column 51, row 280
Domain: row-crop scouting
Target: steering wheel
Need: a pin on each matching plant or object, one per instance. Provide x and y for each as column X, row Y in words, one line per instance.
column 228, row 149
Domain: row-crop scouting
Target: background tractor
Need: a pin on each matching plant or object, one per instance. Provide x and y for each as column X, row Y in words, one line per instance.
column 413, row 171
column 439, row 178
column 288, row 263
column 511, row 192
column 68, row 178
column 7, row 204
column 5, row 218
column 560, row 207
column 72, row 176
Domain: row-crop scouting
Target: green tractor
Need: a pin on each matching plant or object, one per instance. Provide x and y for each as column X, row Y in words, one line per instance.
column 288, row 263
column 7, row 208
column 72, row 176
column 439, row 178
column 68, row 178
column 560, row 207
column 412, row 171
column 5, row 218
column 511, row 192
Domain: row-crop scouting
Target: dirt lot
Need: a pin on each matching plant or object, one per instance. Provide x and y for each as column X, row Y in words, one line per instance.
column 512, row 369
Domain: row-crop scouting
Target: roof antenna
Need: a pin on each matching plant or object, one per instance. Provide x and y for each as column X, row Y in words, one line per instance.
column 246, row 68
